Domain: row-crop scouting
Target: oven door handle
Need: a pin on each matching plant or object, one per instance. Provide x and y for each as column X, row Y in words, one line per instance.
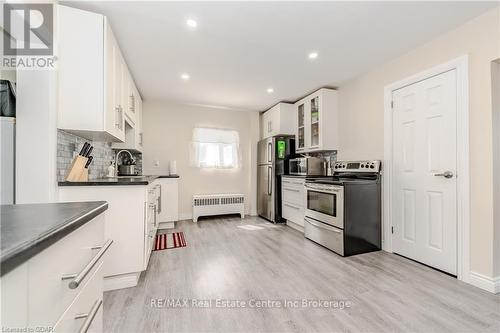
column 319, row 225
column 322, row 189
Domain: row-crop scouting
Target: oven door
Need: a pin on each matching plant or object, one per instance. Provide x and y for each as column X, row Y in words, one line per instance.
column 325, row 203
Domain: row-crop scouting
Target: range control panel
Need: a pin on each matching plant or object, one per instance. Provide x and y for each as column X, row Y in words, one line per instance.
column 357, row 166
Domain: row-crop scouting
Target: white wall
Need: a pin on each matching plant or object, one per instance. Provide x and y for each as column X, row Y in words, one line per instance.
column 361, row 102
column 168, row 129
column 495, row 76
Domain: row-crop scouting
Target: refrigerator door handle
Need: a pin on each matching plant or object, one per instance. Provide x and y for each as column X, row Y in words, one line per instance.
column 269, row 152
column 269, row 180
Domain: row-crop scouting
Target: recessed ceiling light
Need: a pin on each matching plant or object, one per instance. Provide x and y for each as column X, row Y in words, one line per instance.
column 185, row 76
column 313, row 55
column 270, row 90
column 191, row 23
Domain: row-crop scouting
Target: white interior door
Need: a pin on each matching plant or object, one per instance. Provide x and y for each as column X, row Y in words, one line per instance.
column 424, row 192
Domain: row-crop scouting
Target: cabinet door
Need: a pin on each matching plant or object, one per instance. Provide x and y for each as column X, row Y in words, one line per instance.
column 314, row 120
column 138, row 120
column 265, row 125
column 275, row 121
column 140, row 133
column 301, row 135
column 128, row 97
column 111, row 106
column 119, row 92
column 80, row 70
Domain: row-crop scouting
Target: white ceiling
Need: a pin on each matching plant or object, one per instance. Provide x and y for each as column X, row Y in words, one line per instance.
column 240, row 49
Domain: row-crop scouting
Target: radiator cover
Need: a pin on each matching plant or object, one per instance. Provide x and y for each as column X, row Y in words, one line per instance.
column 218, row 204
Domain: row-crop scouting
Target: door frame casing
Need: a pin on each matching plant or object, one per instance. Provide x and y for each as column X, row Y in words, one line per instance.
column 461, row 65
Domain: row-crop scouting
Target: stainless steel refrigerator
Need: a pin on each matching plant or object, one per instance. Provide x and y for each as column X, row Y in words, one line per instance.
column 272, row 162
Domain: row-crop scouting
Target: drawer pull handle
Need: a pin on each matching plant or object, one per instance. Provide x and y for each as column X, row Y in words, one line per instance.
column 319, row 225
column 294, row 207
column 76, row 279
column 89, row 316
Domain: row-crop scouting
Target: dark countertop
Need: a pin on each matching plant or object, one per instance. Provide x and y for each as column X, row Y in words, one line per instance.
column 28, row 229
column 143, row 180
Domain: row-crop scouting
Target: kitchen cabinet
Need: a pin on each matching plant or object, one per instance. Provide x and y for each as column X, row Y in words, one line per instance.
column 139, row 137
column 35, row 295
column 277, row 120
column 317, row 122
column 293, row 201
column 95, row 85
column 129, row 98
column 169, row 210
column 153, row 208
column 131, row 221
column 133, row 130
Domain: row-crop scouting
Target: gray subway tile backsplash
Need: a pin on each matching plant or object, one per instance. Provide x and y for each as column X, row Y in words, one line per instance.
column 69, row 145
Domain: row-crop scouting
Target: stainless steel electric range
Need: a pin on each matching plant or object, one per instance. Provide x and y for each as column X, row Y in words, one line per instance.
column 343, row 212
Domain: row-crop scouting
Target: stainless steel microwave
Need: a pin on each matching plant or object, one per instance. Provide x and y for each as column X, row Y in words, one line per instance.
column 307, row 166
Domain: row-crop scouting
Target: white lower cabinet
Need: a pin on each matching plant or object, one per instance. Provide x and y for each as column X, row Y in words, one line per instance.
column 293, row 201
column 132, row 223
column 169, row 202
column 72, row 253
column 87, row 308
column 36, row 297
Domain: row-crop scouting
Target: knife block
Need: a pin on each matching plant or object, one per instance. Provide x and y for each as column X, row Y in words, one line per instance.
column 77, row 171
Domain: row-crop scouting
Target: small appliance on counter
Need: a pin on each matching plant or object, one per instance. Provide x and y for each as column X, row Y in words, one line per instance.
column 127, row 168
column 172, row 168
column 273, row 156
column 307, row 166
column 344, row 212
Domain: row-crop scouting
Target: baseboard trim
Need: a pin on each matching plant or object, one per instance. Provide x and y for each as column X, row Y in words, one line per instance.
column 121, row 281
column 189, row 216
column 185, row 216
column 166, row 225
column 295, row 226
column 484, row 282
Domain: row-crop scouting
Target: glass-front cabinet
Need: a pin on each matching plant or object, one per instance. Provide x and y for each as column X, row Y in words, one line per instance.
column 314, row 105
column 301, row 126
column 317, row 122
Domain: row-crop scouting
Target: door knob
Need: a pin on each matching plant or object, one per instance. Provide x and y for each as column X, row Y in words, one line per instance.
column 446, row 174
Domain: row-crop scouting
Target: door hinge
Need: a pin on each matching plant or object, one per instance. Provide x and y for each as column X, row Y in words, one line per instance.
column 392, row 230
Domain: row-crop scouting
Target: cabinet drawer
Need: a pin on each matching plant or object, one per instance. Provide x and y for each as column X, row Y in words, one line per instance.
column 49, row 294
column 326, row 235
column 299, row 182
column 293, row 213
column 90, row 298
column 293, row 195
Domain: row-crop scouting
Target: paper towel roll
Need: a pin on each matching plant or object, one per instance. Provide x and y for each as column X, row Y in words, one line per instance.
column 173, row 167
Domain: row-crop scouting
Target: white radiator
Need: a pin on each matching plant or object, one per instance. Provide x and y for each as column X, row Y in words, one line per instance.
column 218, row 204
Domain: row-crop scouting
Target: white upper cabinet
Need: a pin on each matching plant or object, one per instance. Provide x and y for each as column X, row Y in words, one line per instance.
column 95, row 85
column 317, row 122
column 133, row 122
column 277, row 120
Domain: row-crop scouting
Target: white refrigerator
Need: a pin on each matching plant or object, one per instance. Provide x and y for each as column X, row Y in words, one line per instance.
column 7, row 155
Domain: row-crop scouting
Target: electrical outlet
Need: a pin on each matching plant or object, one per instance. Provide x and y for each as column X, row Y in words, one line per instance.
column 156, row 163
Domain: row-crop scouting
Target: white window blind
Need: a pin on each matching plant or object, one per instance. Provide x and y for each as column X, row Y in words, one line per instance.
column 216, row 148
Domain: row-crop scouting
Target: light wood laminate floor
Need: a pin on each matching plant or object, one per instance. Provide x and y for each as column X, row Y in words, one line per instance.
column 262, row 261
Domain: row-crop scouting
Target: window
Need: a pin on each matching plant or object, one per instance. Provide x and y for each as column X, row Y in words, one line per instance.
column 215, row 148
